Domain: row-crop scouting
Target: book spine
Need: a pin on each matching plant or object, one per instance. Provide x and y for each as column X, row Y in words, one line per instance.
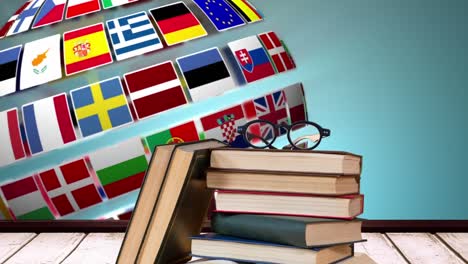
column 273, row 230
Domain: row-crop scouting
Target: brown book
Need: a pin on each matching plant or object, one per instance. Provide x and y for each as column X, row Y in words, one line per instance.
column 278, row 181
column 359, row 258
column 146, row 200
column 287, row 160
column 181, row 206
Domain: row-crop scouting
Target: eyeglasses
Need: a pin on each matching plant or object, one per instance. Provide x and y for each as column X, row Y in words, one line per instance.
column 263, row 133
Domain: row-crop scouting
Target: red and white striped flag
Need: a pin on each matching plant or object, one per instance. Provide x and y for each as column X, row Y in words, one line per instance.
column 11, row 144
column 276, row 51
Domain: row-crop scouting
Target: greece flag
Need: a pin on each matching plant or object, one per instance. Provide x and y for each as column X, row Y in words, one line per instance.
column 133, row 35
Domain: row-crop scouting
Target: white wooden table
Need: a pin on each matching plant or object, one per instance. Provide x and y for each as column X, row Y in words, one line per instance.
column 97, row 248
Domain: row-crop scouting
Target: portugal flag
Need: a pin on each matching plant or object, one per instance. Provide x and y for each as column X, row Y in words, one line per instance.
column 183, row 133
column 177, row 23
column 85, row 48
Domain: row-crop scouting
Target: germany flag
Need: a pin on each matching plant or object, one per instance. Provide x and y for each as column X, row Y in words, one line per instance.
column 177, row 23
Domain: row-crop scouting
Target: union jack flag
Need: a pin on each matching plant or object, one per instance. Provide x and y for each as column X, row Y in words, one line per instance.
column 272, row 107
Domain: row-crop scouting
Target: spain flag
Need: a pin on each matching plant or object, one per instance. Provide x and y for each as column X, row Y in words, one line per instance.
column 177, row 23
column 85, row 48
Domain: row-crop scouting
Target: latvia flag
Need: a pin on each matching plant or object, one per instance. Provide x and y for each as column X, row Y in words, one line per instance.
column 10, row 137
column 252, row 58
column 48, row 123
column 155, row 89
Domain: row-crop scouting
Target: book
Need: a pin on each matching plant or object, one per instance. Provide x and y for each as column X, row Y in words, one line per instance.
column 215, row 246
column 303, row 232
column 277, row 181
column 146, row 200
column 181, row 206
column 287, row 160
column 292, row 204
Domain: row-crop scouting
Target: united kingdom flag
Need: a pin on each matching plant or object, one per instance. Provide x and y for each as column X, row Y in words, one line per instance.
column 272, row 107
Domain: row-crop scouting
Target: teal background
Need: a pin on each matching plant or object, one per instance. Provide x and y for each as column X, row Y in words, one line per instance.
column 389, row 78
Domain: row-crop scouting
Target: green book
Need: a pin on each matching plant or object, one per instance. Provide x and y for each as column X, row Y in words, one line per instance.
column 304, row 232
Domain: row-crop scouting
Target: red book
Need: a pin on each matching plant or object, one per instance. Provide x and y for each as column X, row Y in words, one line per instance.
column 290, row 204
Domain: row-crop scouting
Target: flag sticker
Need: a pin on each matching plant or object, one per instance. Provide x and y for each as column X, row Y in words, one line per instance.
column 252, row 58
column 155, row 89
column 9, row 23
column 206, row 74
column 177, row 23
column 295, row 99
column 25, row 19
column 223, row 126
column 76, row 8
column 100, row 106
column 41, row 62
column 280, row 58
column 273, row 108
column 246, row 10
column 113, row 3
column 120, row 168
column 8, row 69
column 25, row 200
column 50, row 13
column 11, row 143
column 4, row 213
column 220, row 13
column 179, row 134
column 48, row 124
column 70, row 187
column 133, row 35
column 85, row 48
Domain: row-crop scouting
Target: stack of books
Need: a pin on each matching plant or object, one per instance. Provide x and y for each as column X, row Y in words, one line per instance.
column 282, row 206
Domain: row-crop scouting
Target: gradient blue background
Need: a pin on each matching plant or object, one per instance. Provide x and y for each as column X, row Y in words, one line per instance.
column 389, row 78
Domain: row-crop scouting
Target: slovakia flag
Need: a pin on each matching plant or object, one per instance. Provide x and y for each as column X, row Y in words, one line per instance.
column 252, row 58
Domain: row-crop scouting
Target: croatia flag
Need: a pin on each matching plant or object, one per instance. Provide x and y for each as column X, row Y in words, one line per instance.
column 50, row 13
column 70, row 187
column 10, row 138
column 252, row 58
column 48, row 123
column 281, row 59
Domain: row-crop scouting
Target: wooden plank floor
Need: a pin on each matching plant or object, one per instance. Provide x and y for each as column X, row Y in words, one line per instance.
column 98, row 248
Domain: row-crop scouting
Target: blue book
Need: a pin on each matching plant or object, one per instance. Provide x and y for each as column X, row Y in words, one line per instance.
column 214, row 246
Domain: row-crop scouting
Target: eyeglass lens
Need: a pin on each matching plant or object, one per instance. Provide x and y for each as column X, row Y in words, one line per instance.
column 304, row 135
column 260, row 134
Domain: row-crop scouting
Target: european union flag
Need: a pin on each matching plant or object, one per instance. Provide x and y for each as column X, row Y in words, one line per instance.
column 100, row 106
column 221, row 14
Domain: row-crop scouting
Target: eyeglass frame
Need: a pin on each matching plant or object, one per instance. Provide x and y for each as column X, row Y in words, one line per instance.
column 324, row 132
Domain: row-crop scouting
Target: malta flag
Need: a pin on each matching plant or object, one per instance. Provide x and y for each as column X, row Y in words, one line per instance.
column 9, row 23
column 223, row 126
column 50, row 13
column 9, row 68
column 177, row 23
column 295, row 99
column 70, row 187
column 155, row 89
column 10, row 138
column 120, row 168
column 85, row 48
column 48, row 124
column 25, row 19
column 281, row 59
column 179, row 134
column 76, row 8
column 41, row 62
column 206, row 74
column 25, row 200
column 252, row 58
